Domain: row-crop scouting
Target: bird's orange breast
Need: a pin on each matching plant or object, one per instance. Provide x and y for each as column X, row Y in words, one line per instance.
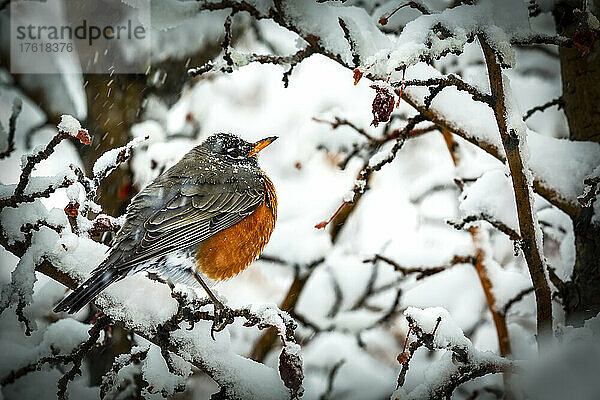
column 230, row 251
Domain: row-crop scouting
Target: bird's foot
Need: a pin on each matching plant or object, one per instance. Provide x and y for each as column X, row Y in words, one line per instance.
column 221, row 318
column 177, row 295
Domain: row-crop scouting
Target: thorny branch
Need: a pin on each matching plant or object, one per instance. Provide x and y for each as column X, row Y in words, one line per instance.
column 91, row 186
column 290, row 366
column 290, row 60
column 34, row 159
column 189, row 310
column 267, row 341
column 370, row 147
column 19, row 196
column 230, row 64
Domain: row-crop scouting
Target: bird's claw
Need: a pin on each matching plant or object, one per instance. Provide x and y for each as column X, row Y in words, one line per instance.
column 176, row 295
column 222, row 317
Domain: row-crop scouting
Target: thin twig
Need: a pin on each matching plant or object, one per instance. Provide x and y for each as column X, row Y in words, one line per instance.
column 12, row 127
column 501, row 226
column 226, row 45
column 330, row 379
column 554, row 102
column 34, row 159
column 515, row 300
column 542, row 38
column 351, row 42
column 422, row 272
column 337, row 122
column 438, row 84
column 417, row 5
column 370, row 168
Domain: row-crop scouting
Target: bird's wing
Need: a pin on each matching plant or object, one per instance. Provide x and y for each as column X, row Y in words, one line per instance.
column 190, row 217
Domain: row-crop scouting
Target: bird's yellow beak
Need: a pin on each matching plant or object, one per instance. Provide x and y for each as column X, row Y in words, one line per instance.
column 261, row 144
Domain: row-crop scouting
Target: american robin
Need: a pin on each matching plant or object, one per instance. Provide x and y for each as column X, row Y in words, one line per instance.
column 208, row 216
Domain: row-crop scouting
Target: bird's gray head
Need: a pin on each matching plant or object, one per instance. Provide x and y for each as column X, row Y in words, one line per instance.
column 234, row 149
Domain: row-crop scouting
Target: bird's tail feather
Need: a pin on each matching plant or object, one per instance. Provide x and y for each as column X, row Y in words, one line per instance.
column 88, row 291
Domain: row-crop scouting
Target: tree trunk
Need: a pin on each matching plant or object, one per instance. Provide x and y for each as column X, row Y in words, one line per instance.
column 114, row 102
column 581, row 95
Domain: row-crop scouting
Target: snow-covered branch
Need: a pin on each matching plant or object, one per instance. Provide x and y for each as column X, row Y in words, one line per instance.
column 382, row 59
column 390, row 118
column 460, row 362
column 466, row 222
column 43, row 242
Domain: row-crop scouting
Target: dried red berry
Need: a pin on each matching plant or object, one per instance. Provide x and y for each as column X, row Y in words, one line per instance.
column 72, row 209
column 290, row 371
column 84, row 136
column 403, row 357
column 383, row 104
column 357, row 75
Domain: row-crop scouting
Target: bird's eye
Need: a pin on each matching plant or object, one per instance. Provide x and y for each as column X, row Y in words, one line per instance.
column 233, row 153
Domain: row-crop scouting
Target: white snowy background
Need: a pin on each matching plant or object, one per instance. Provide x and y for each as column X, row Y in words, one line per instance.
column 402, row 216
